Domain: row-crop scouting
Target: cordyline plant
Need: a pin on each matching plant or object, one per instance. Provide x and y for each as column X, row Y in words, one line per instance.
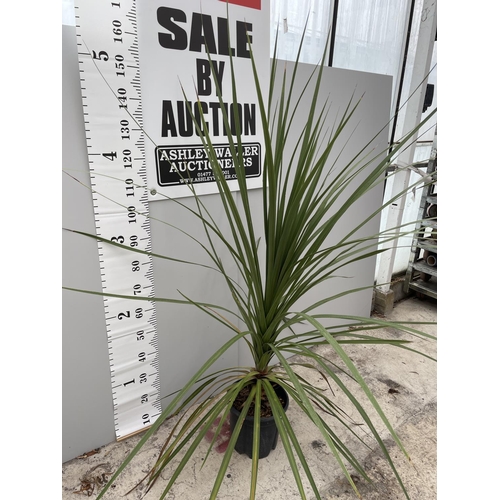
column 297, row 200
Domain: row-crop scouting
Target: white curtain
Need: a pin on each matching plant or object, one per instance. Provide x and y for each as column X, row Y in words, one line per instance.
column 289, row 18
column 370, row 35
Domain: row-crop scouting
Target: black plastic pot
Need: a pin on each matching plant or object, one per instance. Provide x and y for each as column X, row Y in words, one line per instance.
column 268, row 430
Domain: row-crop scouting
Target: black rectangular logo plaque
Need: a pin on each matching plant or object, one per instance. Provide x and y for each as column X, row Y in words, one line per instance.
column 189, row 164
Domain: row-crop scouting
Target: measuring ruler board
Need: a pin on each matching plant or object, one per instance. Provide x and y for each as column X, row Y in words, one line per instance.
column 111, row 95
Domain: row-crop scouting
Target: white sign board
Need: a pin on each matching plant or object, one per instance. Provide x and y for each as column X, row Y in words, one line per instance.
column 174, row 36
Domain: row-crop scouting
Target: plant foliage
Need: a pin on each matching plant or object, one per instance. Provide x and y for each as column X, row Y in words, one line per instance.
column 277, row 270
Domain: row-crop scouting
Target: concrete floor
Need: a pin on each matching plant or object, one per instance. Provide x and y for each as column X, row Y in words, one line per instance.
column 405, row 385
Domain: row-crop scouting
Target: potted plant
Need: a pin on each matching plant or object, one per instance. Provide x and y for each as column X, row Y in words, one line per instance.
column 277, row 271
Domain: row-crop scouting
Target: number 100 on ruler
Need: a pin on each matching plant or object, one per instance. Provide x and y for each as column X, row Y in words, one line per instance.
column 111, row 95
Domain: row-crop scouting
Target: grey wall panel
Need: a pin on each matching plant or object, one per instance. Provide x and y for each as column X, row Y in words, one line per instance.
column 186, row 335
column 87, row 406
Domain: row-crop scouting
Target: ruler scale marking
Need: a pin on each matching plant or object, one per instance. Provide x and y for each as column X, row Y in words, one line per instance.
column 113, row 105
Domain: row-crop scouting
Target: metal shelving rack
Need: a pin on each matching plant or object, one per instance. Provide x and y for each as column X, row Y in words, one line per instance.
column 421, row 274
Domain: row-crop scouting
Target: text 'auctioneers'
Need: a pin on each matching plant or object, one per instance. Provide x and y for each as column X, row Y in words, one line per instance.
column 190, row 164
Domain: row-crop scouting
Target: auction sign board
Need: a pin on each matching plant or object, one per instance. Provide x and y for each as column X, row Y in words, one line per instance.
column 178, row 79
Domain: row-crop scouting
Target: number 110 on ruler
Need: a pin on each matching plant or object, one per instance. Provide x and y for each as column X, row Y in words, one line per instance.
column 111, row 95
